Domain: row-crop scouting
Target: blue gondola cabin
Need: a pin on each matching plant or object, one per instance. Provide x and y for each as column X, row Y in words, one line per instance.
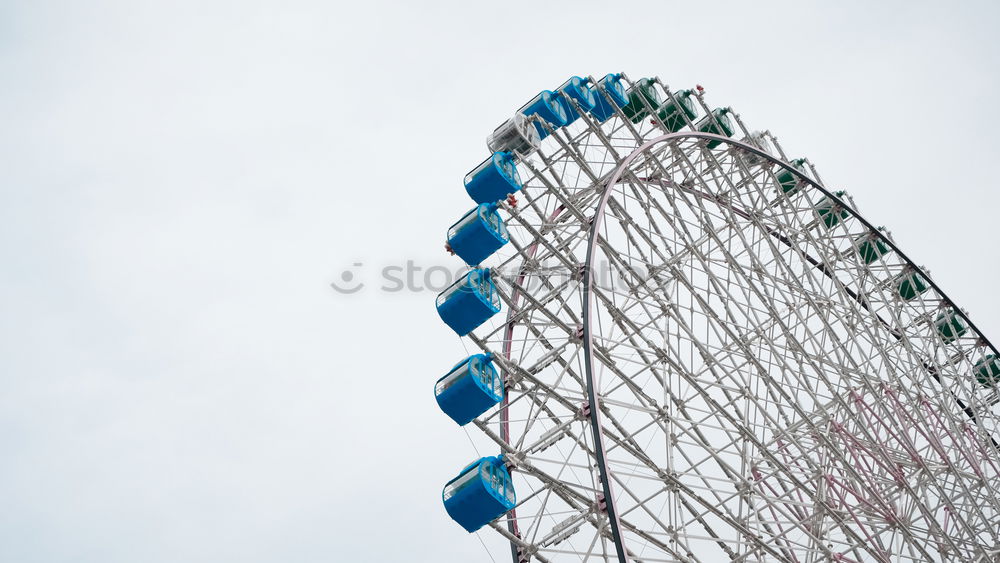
column 469, row 302
column 471, row 388
column 546, row 106
column 609, row 93
column 492, row 180
column 481, row 493
column 576, row 89
column 477, row 235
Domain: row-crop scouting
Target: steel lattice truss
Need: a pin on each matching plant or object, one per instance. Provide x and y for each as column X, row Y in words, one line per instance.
column 699, row 368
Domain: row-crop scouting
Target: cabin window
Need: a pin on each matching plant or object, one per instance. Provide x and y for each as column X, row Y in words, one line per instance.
column 496, row 224
column 475, row 172
column 490, row 380
column 463, row 481
column 618, row 88
column 451, row 378
column 483, row 374
column 491, row 218
column 454, row 287
column 510, row 170
column 462, row 223
column 487, row 375
column 486, row 289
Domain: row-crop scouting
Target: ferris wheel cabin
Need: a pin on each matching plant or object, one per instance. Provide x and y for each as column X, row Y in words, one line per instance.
column 830, row 211
column 717, row 123
column 471, row 388
column 641, row 98
column 871, row 247
column 576, row 88
column 469, row 302
column 478, row 234
column 609, row 93
column 515, row 135
column 911, row 284
column 787, row 181
column 481, row 493
column 675, row 115
column 492, row 180
column 546, row 106
column 988, row 371
column 950, row 325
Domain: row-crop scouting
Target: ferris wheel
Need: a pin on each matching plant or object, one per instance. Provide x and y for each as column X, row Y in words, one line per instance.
column 690, row 349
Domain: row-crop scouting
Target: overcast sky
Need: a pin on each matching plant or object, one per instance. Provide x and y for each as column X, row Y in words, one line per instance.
column 181, row 181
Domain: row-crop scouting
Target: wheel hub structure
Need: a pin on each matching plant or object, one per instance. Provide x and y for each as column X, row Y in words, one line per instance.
column 710, row 356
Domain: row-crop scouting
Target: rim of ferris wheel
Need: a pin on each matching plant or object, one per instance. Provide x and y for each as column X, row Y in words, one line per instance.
column 677, row 112
column 478, row 234
column 472, row 387
column 609, row 94
column 493, row 179
column 480, row 493
column 516, row 136
column 469, row 302
column 761, row 140
column 643, row 100
column 575, row 88
column 548, row 108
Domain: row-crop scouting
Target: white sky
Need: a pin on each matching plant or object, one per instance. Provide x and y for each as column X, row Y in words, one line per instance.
column 180, row 182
